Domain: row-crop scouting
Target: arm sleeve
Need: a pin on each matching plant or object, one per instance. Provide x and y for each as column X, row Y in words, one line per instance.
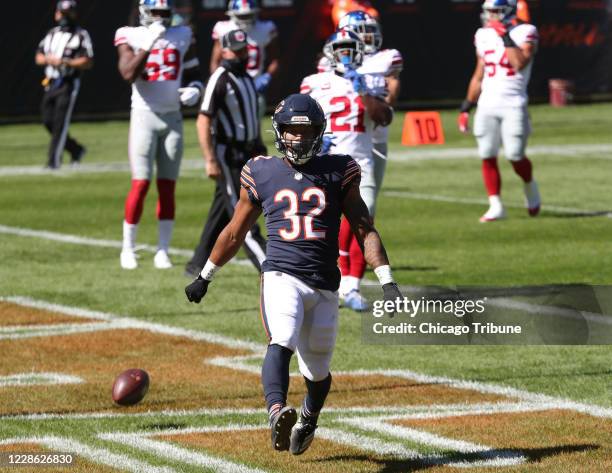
column 86, row 47
column 214, row 93
column 248, row 182
column 305, row 87
column 396, row 64
column 352, row 173
column 121, row 36
column 272, row 32
column 526, row 34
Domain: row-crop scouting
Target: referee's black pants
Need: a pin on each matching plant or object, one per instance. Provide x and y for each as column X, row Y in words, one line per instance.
column 57, row 105
column 226, row 197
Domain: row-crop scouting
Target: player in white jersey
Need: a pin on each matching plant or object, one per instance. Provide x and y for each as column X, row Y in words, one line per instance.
column 389, row 63
column 353, row 108
column 262, row 38
column 505, row 50
column 156, row 59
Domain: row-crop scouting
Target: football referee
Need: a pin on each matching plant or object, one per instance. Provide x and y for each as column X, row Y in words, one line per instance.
column 65, row 51
column 228, row 131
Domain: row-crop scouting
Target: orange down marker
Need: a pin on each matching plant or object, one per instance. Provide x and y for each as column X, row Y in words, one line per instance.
column 422, row 128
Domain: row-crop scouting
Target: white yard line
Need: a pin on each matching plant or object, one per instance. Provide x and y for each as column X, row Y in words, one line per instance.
column 95, row 454
column 258, row 349
column 483, row 202
column 38, row 379
column 403, row 155
column 168, row 450
column 407, row 155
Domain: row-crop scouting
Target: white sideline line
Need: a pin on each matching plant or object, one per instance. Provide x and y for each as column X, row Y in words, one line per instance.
column 97, row 455
column 125, row 322
column 482, row 202
column 78, row 240
column 37, row 379
column 601, row 151
column 86, row 168
column 168, row 450
column 405, row 155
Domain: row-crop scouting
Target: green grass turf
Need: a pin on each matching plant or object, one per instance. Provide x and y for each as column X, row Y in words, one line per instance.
column 429, row 243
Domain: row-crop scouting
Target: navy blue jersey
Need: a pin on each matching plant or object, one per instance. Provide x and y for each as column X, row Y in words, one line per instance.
column 302, row 207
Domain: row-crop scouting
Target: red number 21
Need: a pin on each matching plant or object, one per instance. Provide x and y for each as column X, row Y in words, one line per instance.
column 345, row 112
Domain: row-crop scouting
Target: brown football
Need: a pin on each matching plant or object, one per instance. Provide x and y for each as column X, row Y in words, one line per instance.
column 130, row 387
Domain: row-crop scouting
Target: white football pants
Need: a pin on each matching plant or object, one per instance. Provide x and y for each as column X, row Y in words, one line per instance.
column 509, row 126
column 302, row 319
column 155, row 137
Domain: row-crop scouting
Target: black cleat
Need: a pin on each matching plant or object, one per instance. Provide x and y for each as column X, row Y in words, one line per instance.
column 302, row 434
column 281, row 428
column 77, row 157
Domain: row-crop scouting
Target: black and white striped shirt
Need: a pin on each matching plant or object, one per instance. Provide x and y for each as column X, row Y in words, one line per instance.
column 69, row 43
column 230, row 99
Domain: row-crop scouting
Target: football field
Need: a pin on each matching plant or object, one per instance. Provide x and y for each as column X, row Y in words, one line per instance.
column 71, row 319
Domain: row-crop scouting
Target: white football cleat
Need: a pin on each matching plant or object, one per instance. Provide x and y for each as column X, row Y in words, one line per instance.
column 162, row 260
column 355, row 301
column 494, row 213
column 532, row 197
column 128, row 259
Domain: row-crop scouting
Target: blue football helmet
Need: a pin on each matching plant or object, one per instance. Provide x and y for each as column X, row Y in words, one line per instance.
column 302, row 110
column 366, row 27
column 243, row 13
column 499, row 10
column 344, row 49
column 155, row 10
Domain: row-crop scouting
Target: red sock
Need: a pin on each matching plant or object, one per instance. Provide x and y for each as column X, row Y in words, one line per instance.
column 165, row 200
column 358, row 263
column 344, row 243
column 491, row 176
column 135, row 201
column 524, row 169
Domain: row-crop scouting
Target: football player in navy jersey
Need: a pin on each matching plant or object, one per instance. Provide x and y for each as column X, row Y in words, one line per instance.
column 302, row 195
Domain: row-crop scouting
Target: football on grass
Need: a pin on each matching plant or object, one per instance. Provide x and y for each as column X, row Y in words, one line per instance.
column 130, row 387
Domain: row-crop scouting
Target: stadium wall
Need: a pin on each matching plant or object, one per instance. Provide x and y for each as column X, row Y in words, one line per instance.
column 434, row 36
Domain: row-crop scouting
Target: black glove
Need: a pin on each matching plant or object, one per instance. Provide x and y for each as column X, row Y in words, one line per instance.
column 197, row 290
column 391, row 293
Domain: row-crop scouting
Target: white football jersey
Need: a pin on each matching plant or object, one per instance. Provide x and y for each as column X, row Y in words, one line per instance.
column 258, row 37
column 388, row 62
column 502, row 85
column 157, row 88
column 346, row 116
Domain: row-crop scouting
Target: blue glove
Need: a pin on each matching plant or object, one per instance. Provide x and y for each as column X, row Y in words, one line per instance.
column 328, row 142
column 262, row 82
column 357, row 80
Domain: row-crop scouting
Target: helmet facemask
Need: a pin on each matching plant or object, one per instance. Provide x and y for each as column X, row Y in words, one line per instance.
column 299, row 151
column 495, row 12
column 244, row 21
column 157, row 13
column 345, row 54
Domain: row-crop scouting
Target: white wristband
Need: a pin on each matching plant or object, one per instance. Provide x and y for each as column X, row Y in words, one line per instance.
column 383, row 273
column 209, row 270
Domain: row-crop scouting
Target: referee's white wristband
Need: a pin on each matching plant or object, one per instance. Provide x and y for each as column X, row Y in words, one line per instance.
column 383, row 273
column 209, row 270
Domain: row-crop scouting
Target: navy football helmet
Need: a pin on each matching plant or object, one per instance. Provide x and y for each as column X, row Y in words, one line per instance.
column 302, row 110
column 344, row 49
column 155, row 10
column 366, row 27
column 499, row 10
column 243, row 13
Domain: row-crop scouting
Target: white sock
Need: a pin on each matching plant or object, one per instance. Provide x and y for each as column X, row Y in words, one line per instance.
column 165, row 228
column 495, row 201
column 129, row 235
column 352, row 283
